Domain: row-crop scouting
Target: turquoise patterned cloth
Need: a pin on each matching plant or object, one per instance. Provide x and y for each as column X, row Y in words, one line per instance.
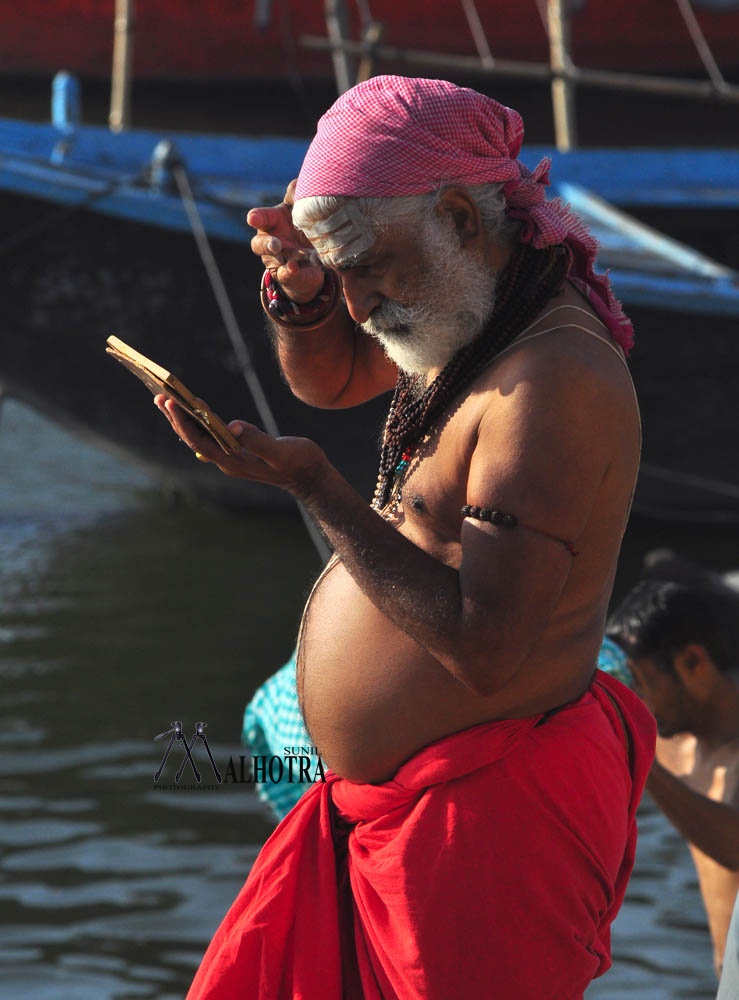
column 612, row 660
column 273, row 720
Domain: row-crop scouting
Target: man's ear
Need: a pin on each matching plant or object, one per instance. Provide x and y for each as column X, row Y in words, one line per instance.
column 465, row 214
column 696, row 669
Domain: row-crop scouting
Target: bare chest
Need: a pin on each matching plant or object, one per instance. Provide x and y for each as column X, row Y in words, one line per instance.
column 712, row 773
column 428, row 495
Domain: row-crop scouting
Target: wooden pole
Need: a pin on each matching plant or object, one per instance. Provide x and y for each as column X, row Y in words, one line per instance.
column 372, row 36
column 119, row 118
column 563, row 90
column 478, row 33
column 337, row 29
column 633, row 83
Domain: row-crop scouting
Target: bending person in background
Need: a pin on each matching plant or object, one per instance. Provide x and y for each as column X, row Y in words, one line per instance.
column 478, row 830
column 682, row 645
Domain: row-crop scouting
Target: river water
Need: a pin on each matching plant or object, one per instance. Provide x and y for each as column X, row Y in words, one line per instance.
column 123, row 609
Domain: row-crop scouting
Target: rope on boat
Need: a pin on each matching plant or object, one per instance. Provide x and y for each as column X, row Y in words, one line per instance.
column 701, row 45
column 241, row 351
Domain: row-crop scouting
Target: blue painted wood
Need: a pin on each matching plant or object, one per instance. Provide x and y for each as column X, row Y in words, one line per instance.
column 648, row 249
column 66, row 107
column 670, row 177
column 684, row 295
column 680, row 178
column 251, row 161
column 120, row 197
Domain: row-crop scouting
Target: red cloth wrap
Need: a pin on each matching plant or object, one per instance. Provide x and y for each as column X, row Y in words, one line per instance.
column 492, row 864
column 393, row 135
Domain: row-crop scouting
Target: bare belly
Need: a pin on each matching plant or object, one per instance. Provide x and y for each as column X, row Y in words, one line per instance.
column 372, row 696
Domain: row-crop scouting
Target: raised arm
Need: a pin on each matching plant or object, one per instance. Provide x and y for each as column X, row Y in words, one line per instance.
column 712, row 827
column 331, row 363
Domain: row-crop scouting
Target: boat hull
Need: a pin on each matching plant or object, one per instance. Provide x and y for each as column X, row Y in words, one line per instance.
column 92, row 275
column 685, row 368
column 201, row 40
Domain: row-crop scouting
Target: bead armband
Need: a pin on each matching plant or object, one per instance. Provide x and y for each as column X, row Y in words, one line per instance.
column 488, row 514
column 300, row 315
column 510, row 521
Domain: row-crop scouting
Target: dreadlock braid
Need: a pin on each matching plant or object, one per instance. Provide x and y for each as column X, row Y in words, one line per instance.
column 530, row 280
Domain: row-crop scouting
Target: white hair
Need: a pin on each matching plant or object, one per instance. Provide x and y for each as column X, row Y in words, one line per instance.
column 381, row 213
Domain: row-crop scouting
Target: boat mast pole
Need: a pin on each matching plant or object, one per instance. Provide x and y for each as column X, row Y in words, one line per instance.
column 337, row 29
column 563, row 89
column 119, row 118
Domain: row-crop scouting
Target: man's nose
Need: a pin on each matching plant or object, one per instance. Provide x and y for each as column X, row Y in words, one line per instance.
column 362, row 295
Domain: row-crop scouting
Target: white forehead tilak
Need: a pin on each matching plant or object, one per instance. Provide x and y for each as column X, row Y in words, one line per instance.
column 345, row 233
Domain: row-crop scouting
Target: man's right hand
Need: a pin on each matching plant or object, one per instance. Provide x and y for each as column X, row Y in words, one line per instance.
column 285, row 252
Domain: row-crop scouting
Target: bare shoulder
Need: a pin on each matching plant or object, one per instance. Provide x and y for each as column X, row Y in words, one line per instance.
column 558, row 437
column 564, row 377
column 677, row 753
column 577, row 352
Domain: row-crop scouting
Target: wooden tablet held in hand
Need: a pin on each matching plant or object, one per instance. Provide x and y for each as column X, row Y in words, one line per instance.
column 159, row 380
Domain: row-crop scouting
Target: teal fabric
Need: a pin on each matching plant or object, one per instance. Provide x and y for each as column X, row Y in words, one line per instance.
column 272, row 721
column 612, row 660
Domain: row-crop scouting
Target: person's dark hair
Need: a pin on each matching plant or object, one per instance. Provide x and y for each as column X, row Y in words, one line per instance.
column 659, row 618
column 667, row 564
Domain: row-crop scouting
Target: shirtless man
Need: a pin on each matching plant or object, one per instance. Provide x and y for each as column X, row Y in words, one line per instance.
column 683, row 649
column 475, row 588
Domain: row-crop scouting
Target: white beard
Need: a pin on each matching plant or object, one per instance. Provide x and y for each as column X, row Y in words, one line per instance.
column 453, row 300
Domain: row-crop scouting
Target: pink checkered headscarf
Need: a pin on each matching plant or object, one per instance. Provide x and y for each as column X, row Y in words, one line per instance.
column 392, row 136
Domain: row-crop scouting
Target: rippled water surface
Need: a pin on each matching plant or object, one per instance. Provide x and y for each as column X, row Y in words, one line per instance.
column 121, row 611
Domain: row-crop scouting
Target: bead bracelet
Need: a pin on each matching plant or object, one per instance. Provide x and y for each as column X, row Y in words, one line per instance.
column 300, row 315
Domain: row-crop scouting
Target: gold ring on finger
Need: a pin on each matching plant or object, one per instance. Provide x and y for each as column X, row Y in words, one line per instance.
column 200, row 457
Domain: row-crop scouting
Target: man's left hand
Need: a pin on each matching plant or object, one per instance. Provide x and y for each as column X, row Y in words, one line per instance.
column 292, row 463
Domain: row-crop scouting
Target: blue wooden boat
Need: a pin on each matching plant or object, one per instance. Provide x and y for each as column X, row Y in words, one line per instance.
column 95, row 239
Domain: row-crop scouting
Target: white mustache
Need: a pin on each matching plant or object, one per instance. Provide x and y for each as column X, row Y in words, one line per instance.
column 439, row 321
column 392, row 317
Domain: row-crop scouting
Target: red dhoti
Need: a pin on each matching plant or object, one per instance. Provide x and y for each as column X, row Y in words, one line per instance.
column 490, row 866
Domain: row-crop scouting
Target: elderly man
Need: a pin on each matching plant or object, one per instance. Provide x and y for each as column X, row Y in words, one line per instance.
column 477, row 830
